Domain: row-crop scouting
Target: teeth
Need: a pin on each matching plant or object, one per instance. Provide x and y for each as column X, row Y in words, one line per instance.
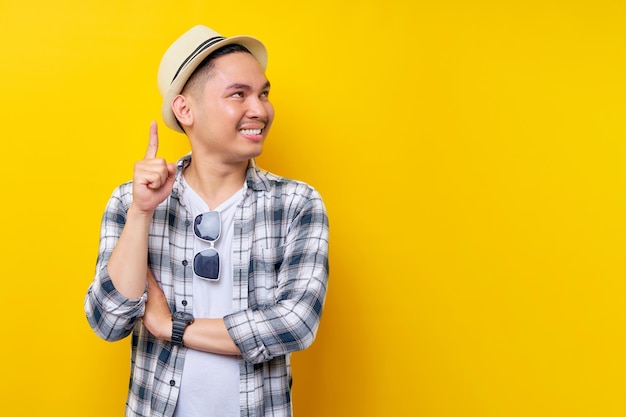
column 251, row 131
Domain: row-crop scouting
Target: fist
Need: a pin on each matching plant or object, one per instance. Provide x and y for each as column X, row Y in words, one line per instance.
column 153, row 178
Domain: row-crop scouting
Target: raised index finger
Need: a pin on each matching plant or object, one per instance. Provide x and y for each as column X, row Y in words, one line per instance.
column 153, row 143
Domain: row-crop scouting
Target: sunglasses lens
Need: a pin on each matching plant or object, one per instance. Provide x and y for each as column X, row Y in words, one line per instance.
column 207, row 226
column 206, row 264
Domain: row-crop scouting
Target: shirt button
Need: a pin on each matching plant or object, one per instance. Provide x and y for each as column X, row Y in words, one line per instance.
column 172, row 382
column 187, row 223
column 184, row 302
column 185, row 262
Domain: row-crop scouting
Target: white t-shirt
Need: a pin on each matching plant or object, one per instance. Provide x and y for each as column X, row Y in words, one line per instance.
column 210, row 382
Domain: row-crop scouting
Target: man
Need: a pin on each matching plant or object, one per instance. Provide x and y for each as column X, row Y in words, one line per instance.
column 217, row 268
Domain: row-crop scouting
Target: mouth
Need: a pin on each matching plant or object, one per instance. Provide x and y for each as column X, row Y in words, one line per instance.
column 251, row 132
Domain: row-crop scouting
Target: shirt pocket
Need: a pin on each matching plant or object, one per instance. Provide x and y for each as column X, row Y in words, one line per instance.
column 266, row 264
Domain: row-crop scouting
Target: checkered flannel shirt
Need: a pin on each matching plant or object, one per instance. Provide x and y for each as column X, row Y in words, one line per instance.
column 280, row 259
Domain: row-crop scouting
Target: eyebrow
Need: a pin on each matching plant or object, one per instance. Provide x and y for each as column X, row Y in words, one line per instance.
column 239, row 86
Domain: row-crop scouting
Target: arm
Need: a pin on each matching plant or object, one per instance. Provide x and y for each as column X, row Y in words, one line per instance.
column 153, row 180
column 115, row 299
column 110, row 314
column 290, row 322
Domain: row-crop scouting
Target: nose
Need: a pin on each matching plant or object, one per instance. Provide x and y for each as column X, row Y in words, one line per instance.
column 258, row 108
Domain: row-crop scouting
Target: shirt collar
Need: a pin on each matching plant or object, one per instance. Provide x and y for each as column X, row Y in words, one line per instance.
column 254, row 180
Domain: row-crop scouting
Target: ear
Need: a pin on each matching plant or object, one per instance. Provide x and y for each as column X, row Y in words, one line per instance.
column 182, row 110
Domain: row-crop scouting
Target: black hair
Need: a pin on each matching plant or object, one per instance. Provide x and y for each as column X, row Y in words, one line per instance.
column 224, row 50
column 204, row 68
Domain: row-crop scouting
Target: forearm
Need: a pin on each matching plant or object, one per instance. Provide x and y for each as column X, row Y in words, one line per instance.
column 207, row 335
column 210, row 335
column 128, row 263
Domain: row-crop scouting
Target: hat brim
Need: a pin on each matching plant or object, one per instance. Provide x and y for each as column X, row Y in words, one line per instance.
column 256, row 48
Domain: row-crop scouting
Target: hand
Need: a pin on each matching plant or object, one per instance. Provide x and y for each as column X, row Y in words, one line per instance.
column 153, row 177
column 157, row 317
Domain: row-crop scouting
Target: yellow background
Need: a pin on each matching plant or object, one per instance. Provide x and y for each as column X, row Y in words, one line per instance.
column 470, row 153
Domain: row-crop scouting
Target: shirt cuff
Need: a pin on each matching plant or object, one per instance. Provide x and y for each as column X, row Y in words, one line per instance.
column 243, row 330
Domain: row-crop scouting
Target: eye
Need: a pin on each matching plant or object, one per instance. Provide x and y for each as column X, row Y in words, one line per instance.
column 238, row 94
column 265, row 94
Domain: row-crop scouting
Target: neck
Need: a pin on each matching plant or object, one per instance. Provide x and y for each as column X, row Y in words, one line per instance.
column 215, row 183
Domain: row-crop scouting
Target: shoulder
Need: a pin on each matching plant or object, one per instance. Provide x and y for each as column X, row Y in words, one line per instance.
column 265, row 181
column 122, row 195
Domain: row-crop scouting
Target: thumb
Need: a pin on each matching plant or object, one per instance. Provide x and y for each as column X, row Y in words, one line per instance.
column 153, row 142
column 171, row 171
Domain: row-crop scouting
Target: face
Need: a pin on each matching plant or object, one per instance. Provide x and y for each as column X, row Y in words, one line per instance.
column 231, row 114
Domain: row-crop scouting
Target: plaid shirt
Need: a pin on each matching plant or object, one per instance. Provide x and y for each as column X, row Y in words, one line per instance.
column 280, row 260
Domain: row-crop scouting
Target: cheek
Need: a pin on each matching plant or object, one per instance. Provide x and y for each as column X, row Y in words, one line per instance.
column 229, row 111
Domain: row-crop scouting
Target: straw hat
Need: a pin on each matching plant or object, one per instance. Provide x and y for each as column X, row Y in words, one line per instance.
column 186, row 53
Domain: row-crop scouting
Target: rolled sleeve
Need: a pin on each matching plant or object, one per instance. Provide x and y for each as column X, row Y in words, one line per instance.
column 111, row 315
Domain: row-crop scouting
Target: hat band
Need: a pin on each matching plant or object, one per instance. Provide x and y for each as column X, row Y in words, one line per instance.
column 203, row 46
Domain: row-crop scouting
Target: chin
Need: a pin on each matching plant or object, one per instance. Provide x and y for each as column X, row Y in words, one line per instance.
column 246, row 156
column 256, row 149
column 254, row 155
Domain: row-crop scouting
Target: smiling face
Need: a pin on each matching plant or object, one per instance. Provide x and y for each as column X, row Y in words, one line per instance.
column 227, row 113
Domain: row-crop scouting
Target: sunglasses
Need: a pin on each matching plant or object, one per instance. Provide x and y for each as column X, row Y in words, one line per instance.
column 207, row 227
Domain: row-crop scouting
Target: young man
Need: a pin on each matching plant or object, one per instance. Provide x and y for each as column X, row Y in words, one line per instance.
column 217, row 268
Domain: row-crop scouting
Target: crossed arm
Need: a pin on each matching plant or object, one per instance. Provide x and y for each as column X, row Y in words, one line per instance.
column 209, row 335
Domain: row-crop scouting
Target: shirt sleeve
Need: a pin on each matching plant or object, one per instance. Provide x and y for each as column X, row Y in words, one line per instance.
column 111, row 315
column 291, row 324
